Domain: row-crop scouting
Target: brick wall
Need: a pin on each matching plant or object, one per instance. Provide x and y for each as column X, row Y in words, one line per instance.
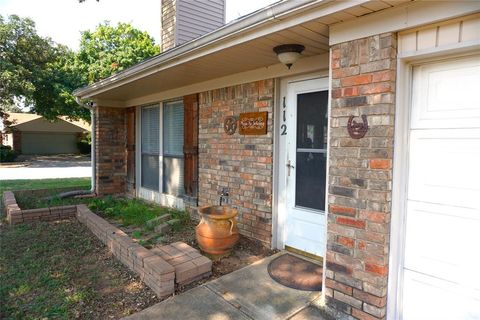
column 363, row 83
column 168, row 17
column 241, row 163
column 111, row 170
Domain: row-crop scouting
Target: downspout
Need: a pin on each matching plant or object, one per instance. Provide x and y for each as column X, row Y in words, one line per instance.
column 89, row 106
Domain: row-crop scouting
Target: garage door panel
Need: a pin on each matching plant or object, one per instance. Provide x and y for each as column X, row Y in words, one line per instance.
column 442, row 233
column 426, row 297
column 48, row 143
column 446, row 95
column 445, row 167
column 443, row 241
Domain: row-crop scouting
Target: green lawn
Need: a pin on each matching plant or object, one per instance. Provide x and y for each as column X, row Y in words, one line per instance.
column 82, row 183
column 61, row 271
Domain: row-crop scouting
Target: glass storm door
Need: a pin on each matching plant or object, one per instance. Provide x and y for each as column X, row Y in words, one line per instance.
column 306, row 167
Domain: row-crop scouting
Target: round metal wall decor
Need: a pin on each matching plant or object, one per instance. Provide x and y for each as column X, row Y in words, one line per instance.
column 357, row 130
column 230, row 125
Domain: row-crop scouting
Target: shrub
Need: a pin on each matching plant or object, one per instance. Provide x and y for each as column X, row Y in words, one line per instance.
column 7, row 154
column 84, row 143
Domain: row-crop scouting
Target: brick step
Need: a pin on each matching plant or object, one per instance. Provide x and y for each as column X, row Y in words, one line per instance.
column 189, row 264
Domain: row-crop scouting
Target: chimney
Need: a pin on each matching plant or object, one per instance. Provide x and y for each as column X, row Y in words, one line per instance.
column 185, row 20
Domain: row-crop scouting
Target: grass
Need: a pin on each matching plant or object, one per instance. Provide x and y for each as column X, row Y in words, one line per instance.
column 35, row 275
column 28, row 184
column 61, row 271
column 134, row 212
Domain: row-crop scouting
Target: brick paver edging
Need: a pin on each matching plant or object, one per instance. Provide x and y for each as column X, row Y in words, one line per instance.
column 158, row 274
column 15, row 215
column 159, row 268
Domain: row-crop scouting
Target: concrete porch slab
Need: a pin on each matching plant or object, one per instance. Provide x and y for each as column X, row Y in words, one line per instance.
column 199, row 303
column 248, row 293
column 259, row 296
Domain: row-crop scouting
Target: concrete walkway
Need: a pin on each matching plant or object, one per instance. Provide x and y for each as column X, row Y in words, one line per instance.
column 248, row 293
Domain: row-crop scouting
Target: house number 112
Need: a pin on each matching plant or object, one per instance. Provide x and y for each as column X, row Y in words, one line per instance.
column 283, row 127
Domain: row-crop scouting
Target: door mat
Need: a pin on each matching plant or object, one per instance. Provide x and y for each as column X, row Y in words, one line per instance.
column 296, row 273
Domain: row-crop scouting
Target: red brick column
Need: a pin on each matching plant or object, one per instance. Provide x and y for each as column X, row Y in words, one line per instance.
column 241, row 163
column 363, row 83
column 111, row 170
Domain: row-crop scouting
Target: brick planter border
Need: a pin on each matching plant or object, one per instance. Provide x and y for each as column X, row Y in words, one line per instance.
column 155, row 272
column 185, row 264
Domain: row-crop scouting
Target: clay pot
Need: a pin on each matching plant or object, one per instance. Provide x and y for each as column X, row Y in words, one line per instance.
column 217, row 231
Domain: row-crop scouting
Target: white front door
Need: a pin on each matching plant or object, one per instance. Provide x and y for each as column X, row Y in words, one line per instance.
column 441, row 277
column 305, row 165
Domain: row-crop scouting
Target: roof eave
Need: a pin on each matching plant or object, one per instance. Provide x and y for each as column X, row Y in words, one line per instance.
column 257, row 19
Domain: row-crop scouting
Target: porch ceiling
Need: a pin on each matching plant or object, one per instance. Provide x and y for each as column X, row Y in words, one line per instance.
column 246, row 55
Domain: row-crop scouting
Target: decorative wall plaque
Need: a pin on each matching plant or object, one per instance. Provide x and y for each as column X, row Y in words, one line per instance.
column 357, row 130
column 253, row 123
column 230, row 125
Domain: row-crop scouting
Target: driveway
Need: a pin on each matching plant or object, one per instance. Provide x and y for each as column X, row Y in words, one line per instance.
column 47, row 167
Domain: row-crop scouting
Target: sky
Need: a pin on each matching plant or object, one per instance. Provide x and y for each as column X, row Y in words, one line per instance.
column 63, row 20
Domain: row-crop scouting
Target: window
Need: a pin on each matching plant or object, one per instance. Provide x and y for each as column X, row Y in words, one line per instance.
column 150, row 147
column 173, row 148
column 162, row 148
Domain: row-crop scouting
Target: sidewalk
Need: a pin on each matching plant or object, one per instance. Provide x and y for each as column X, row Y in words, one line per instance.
column 248, row 293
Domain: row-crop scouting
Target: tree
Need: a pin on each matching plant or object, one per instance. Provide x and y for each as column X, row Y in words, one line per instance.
column 110, row 49
column 23, row 55
column 35, row 71
column 43, row 74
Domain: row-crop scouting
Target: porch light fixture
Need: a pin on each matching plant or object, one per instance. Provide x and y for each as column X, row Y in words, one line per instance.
column 288, row 54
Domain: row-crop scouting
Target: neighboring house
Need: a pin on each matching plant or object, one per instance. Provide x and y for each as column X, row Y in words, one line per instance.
column 395, row 214
column 33, row 134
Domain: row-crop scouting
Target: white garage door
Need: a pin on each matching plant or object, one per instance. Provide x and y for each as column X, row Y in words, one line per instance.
column 48, row 143
column 442, row 248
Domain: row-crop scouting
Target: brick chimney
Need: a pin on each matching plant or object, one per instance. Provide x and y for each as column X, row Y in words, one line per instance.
column 185, row 20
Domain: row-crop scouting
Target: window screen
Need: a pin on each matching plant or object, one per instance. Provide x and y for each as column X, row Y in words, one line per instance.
column 311, row 167
column 173, row 148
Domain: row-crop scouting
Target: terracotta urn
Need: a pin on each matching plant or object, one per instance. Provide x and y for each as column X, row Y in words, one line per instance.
column 217, row 231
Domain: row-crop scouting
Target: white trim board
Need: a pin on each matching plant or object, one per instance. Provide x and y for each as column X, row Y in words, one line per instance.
column 278, row 217
column 410, row 15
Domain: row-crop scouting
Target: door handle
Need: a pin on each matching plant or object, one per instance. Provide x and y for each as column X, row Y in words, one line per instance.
column 290, row 166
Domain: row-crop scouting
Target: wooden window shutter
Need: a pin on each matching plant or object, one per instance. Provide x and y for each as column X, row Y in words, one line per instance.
column 130, row 149
column 190, row 145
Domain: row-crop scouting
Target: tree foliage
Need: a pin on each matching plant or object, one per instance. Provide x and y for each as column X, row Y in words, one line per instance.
column 36, row 71
column 43, row 74
column 23, row 56
column 110, row 49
